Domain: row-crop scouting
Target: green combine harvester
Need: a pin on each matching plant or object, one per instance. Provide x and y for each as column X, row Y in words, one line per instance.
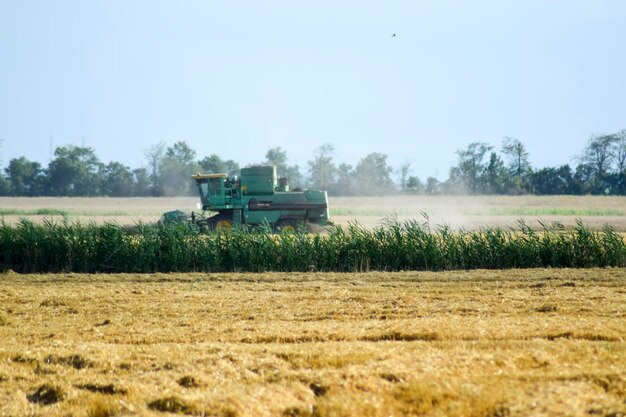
column 257, row 197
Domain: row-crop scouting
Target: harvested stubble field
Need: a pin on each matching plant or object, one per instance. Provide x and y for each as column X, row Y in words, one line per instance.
column 539, row 342
column 469, row 212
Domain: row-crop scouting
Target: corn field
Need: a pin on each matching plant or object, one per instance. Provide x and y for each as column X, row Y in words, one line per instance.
column 64, row 246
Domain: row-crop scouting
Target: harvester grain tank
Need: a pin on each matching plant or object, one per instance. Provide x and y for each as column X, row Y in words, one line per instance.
column 258, row 196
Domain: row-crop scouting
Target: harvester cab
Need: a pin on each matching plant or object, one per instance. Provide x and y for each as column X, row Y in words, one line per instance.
column 216, row 190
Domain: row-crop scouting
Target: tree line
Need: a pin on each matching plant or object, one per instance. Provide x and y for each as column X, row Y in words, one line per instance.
column 480, row 169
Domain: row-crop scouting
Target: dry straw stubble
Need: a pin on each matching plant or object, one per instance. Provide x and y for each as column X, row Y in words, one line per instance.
column 408, row 343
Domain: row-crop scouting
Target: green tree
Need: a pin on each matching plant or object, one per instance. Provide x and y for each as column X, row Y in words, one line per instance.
column 117, row 180
column 599, row 155
column 456, row 182
column 295, row 177
column 26, row 177
column 470, row 168
column 553, row 181
column 433, row 186
column 403, row 174
column 322, row 170
column 496, row 175
column 586, row 180
column 278, row 157
column 620, row 151
column 517, row 156
column 344, row 183
column 373, row 176
column 518, row 166
column 615, row 183
column 74, row 172
column 155, row 156
column 213, row 164
column 5, row 186
column 141, row 182
column 414, row 185
column 177, row 167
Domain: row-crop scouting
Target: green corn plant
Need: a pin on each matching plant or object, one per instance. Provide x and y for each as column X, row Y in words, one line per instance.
column 64, row 246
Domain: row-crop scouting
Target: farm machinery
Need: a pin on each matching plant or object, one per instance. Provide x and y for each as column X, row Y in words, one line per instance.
column 257, row 197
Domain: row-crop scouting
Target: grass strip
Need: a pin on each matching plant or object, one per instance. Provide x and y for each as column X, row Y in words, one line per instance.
column 35, row 212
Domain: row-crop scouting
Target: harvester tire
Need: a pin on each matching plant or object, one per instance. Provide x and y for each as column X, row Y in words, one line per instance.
column 224, row 225
column 288, row 226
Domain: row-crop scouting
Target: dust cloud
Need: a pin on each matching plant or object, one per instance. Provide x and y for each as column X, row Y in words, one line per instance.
column 474, row 212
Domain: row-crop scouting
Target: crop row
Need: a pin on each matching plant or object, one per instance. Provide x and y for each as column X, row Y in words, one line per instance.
column 66, row 246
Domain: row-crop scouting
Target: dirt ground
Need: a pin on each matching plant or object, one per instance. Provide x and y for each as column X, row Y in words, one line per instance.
column 462, row 211
column 480, row 343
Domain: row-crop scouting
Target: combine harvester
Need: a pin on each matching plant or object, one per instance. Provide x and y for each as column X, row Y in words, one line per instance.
column 257, row 197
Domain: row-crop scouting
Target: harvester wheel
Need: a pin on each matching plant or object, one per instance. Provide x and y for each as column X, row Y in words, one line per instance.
column 287, row 225
column 224, row 225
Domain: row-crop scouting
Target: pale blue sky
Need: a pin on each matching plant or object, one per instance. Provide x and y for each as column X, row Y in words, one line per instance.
column 237, row 77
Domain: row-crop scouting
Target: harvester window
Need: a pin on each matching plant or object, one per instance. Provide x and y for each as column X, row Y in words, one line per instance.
column 215, row 186
column 204, row 187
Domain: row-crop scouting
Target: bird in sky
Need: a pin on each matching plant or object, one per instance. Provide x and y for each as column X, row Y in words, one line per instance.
column 393, row 36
